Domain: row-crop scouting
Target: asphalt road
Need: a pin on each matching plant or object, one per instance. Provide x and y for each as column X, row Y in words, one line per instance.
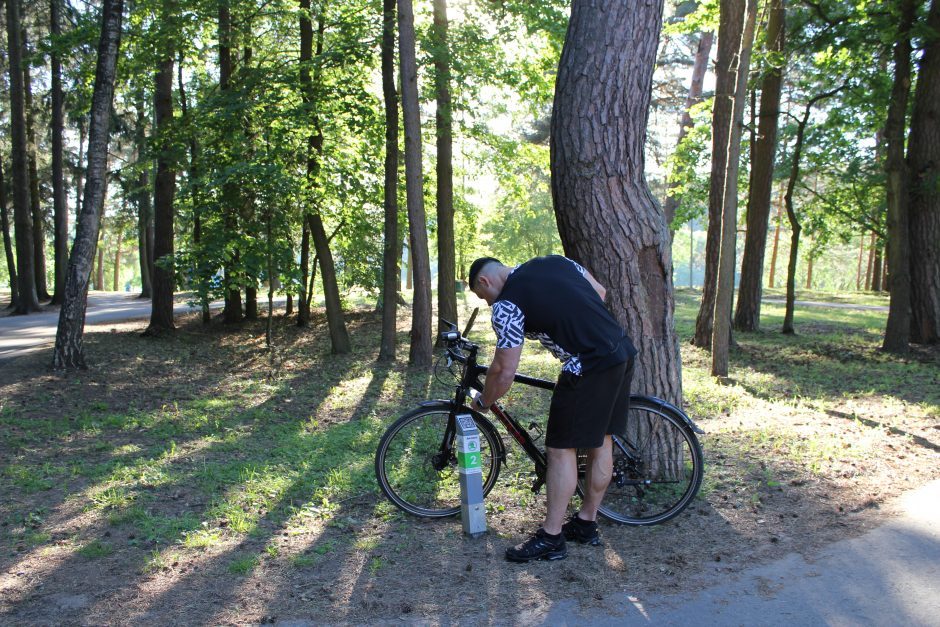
column 24, row 334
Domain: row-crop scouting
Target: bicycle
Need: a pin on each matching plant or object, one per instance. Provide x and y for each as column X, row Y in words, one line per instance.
column 657, row 466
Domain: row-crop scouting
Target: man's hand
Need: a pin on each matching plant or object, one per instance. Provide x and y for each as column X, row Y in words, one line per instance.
column 499, row 376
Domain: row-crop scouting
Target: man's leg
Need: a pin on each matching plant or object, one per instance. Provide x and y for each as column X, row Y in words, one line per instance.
column 560, row 482
column 600, row 466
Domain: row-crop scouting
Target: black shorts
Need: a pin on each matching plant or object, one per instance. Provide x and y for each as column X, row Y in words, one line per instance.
column 586, row 408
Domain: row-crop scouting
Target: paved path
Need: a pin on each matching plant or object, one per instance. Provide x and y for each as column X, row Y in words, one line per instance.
column 24, row 334
column 888, row 576
column 819, row 303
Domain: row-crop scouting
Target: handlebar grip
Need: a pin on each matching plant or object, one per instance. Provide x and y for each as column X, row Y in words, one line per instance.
column 450, row 336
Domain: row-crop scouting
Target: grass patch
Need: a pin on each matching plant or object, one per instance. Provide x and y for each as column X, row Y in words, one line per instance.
column 243, row 565
column 96, row 549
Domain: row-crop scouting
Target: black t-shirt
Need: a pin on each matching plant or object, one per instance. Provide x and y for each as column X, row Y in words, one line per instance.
column 550, row 300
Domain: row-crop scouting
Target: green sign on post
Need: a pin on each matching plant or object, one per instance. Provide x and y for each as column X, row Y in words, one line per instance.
column 469, row 463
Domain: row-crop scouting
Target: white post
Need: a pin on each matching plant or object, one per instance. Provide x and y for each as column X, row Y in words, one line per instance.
column 472, row 512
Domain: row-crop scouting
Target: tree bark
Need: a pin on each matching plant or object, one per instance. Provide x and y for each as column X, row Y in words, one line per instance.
column 143, row 199
column 773, row 254
column 809, row 271
column 876, row 279
column 339, row 336
column 702, row 55
column 7, row 242
column 871, row 262
column 725, row 128
column 924, row 167
column 69, row 352
column 303, row 304
column 607, row 217
column 728, row 180
column 233, row 298
column 22, row 218
column 60, row 208
column 117, row 258
column 390, row 256
column 446, row 256
column 747, row 311
column 898, row 327
column 39, row 222
column 99, row 268
column 421, row 345
column 164, row 271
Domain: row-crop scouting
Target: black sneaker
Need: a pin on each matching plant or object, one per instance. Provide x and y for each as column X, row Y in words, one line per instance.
column 583, row 531
column 541, row 546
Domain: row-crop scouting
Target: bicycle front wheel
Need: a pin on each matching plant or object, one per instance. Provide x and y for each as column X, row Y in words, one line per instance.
column 417, row 469
column 657, row 467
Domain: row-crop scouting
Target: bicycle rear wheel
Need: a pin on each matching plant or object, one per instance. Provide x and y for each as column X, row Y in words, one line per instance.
column 658, row 467
column 417, row 475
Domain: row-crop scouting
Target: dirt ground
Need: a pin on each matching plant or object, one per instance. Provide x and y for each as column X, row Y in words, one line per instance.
column 764, row 496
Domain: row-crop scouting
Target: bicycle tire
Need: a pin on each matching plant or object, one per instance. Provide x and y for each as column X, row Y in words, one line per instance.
column 404, row 462
column 661, row 472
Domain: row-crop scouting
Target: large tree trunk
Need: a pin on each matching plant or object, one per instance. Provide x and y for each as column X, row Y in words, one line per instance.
column 69, row 352
column 39, row 222
column 390, row 274
column 726, row 134
column 898, row 327
column 747, row 311
column 702, row 55
column 924, row 163
column 233, row 298
column 339, row 336
column 22, row 219
column 421, row 344
column 164, row 274
column 7, row 242
column 607, row 217
column 60, row 208
column 724, row 289
column 446, row 262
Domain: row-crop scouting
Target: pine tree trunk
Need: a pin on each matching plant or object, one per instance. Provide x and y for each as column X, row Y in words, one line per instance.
column 409, row 270
column 164, row 274
column 607, row 217
column 747, row 311
column 446, row 256
column 724, row 288
column 99, row 266
column 702, row 55
column 876, row 285
column 28, row 301
column 303, row 303
column 420, row 353
column 60, row 208
column 117, row 258
column 898, row 327
column 390, row 256
column 861, row 255
column 144, row 208
column 924, row 161
column 725, row 128
column 809, row 271
column 7, row 241
column 39, row 222
column 69, row 352
column 773, row 255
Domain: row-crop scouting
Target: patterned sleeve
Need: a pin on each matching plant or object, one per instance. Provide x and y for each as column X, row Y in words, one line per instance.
column 508, row 324
column 577, row 265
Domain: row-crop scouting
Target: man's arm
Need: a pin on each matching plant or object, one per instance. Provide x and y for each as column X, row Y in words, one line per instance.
column 500, row 374
column 600, row 289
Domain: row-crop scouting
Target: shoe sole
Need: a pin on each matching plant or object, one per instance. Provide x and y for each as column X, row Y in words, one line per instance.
column 548, row 557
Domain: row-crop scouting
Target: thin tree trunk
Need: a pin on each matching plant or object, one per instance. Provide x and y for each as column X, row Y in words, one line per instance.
column 871, row 262
column 164, row 274
column 117, row 258
column 28, row 301
column 79, row 171
column 747, row 309
column 702, row 55
column 409, row 270
column 69, row 351
column 611, row 223
column 390, row 256
column 60, row 208
column 144, row 207
column 924, row 162
column 724, row 289
column 7, row 242
column 339, row 336
column 809, row 271
column 876, row 285
column 446, row 256
column 99, row 266
column 39, row 222
column 791, row 213
column 858, row 273
column 773, row 255
column 233, row 299
column 420, row 353
column 303, row 302
column 725, row 128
